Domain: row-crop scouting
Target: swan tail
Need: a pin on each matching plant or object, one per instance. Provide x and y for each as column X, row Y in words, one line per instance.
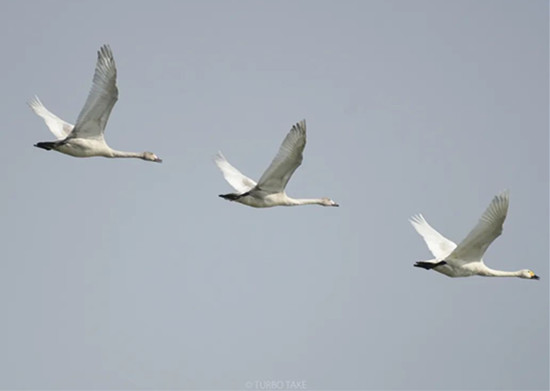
column 429, row 265
column 47, row 145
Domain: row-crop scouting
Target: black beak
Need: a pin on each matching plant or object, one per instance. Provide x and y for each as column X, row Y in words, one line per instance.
column 535, row 277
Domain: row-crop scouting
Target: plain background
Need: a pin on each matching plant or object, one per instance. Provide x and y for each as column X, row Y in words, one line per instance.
column 128, row 274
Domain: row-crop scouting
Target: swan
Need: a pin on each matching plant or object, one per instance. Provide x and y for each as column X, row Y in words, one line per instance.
column 85, row 139
column 465, row 259
column 270, row 189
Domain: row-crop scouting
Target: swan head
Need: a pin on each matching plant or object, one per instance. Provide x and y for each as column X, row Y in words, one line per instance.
column 529, row 274
column 150, row 156
column 328, row 202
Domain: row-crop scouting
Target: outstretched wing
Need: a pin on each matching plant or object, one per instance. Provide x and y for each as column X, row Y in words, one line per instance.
column 489, row 227
column 57, row 126
column 288, row 159
column 234, row 177
column 438, row 244
column 101, row 99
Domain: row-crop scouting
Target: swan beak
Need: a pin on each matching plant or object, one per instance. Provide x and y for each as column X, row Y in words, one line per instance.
column 336, row 204
column 535, row 277
column 158, row 160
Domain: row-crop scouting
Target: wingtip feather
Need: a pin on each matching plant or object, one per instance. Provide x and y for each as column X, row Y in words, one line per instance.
column 300, row 126
column 34, row 103
column 219, row 158
column 417, row 219
column 504, row 195
column 105, row 52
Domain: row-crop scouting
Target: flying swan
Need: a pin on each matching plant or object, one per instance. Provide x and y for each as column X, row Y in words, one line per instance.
column 85, row 139
column 270, row 189
column 465, row 259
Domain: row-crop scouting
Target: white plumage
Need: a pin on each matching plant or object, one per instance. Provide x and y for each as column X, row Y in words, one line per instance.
column 85, row 139
column 57, row 126
column 466, row 259
column 234, row 177
column 270, row 189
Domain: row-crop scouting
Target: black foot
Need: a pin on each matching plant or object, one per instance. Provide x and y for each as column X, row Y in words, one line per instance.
column 230, row 196
column 47, row 145
column 429, row 265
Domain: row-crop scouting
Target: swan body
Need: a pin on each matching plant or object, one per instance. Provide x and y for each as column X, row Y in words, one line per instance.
column 465, row 259
column 270, row 189
column 85, row 138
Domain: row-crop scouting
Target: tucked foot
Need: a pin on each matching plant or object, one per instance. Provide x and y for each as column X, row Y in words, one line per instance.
column 429, row 265
column 47, row 145
column 230, row 196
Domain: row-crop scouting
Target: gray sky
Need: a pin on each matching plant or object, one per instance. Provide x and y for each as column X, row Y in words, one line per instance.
column 127, row 274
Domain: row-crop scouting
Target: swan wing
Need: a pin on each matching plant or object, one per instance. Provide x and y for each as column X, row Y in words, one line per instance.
column 241, row 183
column 438, row 244
column 287, row 160
column 101, row 99
column 488, row 228
column 57, row 126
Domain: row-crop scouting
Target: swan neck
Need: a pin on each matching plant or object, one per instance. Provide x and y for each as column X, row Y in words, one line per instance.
column 139, row 155
column 305, row 201
column 500, row 273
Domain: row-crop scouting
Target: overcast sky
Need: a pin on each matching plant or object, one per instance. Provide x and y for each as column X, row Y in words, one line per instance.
column 129, row 274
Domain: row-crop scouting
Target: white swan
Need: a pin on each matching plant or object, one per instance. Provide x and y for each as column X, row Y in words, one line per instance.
column 85, row 139
column 270, row 189
column 466, row 259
